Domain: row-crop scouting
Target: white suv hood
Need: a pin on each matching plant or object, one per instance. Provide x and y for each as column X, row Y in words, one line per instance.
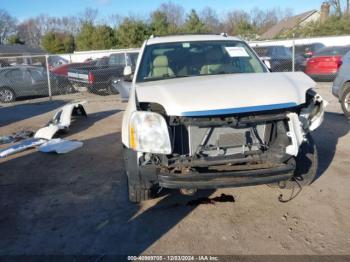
column 226, row 94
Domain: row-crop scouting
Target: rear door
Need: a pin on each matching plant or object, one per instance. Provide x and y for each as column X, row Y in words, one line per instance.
column 39, row 80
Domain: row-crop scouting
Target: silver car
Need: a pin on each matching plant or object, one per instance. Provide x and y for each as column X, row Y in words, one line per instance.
column 341, row 85
column 22, row 81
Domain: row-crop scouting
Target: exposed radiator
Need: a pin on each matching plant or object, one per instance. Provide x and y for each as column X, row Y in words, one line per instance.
column 224, row 140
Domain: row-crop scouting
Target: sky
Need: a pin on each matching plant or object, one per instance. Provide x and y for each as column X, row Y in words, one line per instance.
column 23, row 9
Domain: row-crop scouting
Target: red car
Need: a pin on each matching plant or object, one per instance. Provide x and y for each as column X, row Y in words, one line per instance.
column 63, row 69
column 325, row 63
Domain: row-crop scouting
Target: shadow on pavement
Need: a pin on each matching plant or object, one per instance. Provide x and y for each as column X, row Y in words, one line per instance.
column 77, row 203
column 10, row 114
column 334, row 126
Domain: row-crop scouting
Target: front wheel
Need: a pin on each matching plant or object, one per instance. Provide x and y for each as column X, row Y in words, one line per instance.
column 306, row 165
column 7, row 95
column 141, row 180
column 345, row 102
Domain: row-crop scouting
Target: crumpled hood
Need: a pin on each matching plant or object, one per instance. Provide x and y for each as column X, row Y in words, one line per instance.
column 226, row 94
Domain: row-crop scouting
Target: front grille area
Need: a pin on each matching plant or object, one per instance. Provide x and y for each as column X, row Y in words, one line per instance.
column 214, row 141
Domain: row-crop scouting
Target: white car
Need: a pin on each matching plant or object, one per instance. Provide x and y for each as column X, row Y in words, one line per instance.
column 204, row 112
column 341, row 85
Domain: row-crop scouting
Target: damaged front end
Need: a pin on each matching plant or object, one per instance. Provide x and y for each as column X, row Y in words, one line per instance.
column 227, row 150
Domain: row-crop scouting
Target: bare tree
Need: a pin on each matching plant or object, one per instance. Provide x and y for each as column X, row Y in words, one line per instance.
column 115, row 20
column 210, row 18
column 7, row 25
column 70, row 24
column 30, row 32
column 89, row 16
column 175, row 15
column 337, row 6
column 234, row 19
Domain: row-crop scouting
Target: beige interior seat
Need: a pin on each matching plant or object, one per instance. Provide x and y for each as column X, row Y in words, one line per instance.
column 160, row 67
column 215, row 65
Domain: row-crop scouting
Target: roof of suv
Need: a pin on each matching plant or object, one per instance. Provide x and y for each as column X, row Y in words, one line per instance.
column 182, row 38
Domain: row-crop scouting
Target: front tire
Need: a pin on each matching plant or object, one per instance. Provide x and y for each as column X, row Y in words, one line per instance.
column 306, row 165
column 141, row 180
column 345, row 101
column 7, row 95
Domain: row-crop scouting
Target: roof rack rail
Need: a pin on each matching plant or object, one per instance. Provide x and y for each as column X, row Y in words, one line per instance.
column 179, row 34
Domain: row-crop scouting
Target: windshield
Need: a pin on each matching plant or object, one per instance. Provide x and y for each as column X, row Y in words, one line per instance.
column 184, row 59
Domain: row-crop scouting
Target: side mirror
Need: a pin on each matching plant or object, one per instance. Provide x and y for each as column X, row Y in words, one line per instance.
column 123, row 88
column 127, row 73
column 267, row 63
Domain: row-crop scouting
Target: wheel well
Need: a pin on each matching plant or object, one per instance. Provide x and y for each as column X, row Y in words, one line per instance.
column 343, row 88
column 7, row 87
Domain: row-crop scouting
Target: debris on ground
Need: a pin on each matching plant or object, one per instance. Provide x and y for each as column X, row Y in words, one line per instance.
column 61, row 121
column 16, row 137
column 59, row 146
column 207, row 200
column 29, row 143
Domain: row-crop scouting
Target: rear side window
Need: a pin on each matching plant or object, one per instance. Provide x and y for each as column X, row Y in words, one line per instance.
column 117, row 59
column 332, row 51
column 131, row 59
column 261, row 51
column 37, row 75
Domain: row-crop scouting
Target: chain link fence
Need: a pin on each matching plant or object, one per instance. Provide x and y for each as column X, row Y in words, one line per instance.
column 100, row 72
column 320, row 62
column 27, row 77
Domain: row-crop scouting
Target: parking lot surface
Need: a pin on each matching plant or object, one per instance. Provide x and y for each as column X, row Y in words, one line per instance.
column 77, row 203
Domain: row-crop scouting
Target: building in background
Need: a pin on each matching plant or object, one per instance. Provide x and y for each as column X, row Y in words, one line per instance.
column 20, row 54
column 291, row 23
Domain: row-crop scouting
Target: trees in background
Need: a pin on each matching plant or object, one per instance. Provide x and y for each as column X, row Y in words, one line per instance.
column 159, row 23
column 58, row 43
column 7, row 25
column 131, row 33
column 194, row 24
column 88, row 31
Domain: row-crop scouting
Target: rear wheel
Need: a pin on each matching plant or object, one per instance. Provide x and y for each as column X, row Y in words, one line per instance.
column 111, row 89
column 345, row 101
column 7, row 95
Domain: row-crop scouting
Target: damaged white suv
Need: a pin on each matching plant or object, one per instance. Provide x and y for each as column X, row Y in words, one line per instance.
column 204, row 112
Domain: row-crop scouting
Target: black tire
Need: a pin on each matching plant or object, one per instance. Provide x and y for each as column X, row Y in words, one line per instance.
column 345, row 101
column 137, row 195
column 7, row 95
column 111, row 89
column 141, row 181
column 306, row 165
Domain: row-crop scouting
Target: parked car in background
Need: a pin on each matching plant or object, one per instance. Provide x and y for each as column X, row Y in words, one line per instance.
column 325, row 63
column 22, row 81
column 4, row 63
column 99, row 77
column 55, row 61
column 341, row 85
column 303, row 53
column 278, row 57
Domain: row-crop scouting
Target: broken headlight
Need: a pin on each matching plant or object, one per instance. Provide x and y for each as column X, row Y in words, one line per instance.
column 148, row 132
column 312, row 115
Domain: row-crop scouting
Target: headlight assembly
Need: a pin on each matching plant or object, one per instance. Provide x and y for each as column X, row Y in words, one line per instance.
column 312, row 115
column 148, row 132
